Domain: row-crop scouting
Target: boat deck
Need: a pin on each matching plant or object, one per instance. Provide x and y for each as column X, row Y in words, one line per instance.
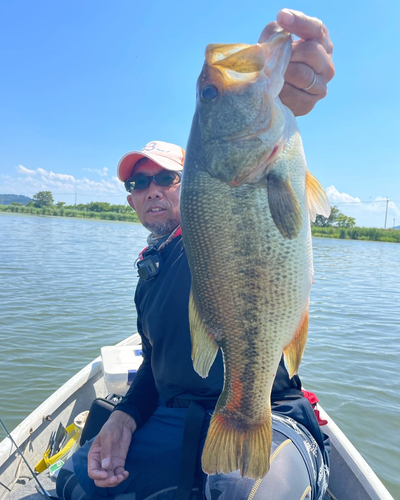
column 29, row 490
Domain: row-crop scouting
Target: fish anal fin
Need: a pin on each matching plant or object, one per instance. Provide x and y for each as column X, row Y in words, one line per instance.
column 228, row 449
column 284, row 206
column 204, row 347
column 294, row 351
column 317, row 199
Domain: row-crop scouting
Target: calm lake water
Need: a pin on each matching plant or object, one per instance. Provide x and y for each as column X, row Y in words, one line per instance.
column 67, row 286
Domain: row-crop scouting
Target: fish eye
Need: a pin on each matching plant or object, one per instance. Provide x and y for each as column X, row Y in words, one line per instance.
column 209, row 93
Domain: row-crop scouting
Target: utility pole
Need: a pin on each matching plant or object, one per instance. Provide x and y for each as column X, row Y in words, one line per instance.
column 76, row 198
column 387, row 203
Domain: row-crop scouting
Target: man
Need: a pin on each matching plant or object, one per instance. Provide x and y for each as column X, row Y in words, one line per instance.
column 150, row 446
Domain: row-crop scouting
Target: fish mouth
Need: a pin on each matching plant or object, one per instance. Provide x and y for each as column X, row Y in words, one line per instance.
column 258, row 172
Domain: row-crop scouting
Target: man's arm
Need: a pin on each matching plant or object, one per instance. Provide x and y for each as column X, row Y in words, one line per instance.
column 142, row 398
column 311, row 57
column 107, row 455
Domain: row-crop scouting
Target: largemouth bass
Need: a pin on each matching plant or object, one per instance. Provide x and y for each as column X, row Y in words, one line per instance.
column 246, row 203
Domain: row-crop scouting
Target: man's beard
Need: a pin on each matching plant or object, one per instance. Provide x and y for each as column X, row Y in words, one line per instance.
column 162, row 228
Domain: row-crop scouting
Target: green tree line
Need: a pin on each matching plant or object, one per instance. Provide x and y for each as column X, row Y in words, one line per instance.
column 45, row 199
column 336, row 219
column 357, row 233
column 43, row 204
column 337, row 225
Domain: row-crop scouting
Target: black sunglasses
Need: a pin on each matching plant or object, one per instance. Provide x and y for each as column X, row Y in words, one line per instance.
column 141, row 181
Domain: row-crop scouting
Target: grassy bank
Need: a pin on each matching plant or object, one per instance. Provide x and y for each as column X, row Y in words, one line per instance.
column 358, row 233
column 67, row 212
column 353, row 233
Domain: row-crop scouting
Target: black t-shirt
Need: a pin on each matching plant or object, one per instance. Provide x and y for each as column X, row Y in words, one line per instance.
column 163, row 323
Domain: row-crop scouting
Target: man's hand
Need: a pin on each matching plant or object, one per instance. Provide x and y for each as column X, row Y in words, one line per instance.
column 311, row 57
column 107, row 455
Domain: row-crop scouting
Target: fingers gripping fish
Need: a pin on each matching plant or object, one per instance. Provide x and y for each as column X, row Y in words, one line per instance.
column 246, row 203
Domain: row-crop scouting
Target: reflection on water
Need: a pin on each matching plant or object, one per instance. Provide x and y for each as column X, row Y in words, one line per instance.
column 66, row 289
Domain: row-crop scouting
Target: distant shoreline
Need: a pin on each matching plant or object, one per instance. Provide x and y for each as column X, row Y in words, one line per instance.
column 357, row 233
column 353, row 233
column 65, row 217
column 53, row 211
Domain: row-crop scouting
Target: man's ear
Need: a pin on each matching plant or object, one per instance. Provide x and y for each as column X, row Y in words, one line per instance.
column 130, row 201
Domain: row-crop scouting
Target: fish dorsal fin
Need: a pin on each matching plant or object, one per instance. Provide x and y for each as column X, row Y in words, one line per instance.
column 317, row 199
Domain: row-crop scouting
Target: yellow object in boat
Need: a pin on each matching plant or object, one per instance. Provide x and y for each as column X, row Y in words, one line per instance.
column 74, row 434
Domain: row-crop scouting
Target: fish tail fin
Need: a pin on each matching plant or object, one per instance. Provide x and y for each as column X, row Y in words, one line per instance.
column 228, row 449
column 294, row 351
column 204, row 347
column 317, row 199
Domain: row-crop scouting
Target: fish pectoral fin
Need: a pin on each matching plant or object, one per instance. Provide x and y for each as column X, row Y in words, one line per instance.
column 204, row 347
column 284, row 206
column 228, row 449
column 317, row 199
column 294, row 351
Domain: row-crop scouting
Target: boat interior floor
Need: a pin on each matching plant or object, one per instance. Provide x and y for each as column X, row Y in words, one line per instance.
column 29, row 490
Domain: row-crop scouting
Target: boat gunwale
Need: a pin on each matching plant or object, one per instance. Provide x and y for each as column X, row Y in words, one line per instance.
column 354, row 460
column 33, row 421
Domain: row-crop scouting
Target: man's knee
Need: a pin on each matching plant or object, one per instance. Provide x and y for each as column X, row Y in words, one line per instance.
column 68, row 487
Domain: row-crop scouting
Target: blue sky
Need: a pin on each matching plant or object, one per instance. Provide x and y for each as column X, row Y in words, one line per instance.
column 85, row 82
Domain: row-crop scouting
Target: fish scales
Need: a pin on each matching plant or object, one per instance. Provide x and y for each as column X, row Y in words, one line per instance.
column 251, row 264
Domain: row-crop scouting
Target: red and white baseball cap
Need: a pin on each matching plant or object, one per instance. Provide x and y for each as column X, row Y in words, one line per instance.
column 168, row 156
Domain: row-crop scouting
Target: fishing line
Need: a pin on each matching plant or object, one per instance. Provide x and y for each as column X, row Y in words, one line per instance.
column 45, row 493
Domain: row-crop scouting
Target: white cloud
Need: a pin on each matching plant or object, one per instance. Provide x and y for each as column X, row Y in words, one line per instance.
column 367, row 213
column 63, row 186
column 24, row 170
column 103, row 171
column 336, row 197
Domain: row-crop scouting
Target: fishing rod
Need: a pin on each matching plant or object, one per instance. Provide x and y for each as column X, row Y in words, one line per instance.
column 4, row 486
column 45, row 493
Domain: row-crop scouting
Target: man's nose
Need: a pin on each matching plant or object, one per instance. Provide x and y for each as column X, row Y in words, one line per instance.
column 154, row 191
